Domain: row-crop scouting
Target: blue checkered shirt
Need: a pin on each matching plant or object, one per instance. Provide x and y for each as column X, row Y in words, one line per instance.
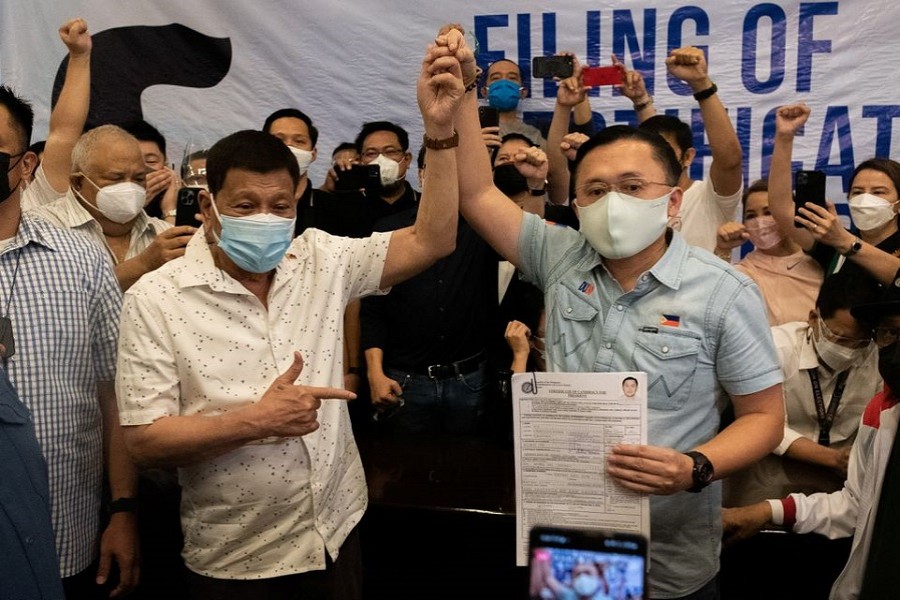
column 64, row 309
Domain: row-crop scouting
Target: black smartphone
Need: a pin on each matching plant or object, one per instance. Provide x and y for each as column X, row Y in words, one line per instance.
column 488, row 116
column 187, row 206
column 586, row 562
column 548, row 67
column 358, row 177
column 809, row 186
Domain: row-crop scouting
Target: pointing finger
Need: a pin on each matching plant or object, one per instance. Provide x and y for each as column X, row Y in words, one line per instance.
column 326, row 393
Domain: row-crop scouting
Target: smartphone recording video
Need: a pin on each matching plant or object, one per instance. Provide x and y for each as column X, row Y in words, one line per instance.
column 586, row 563
column 809, row 186
column 548, row 67
column 358, row 177
column 187, row 206
column 594, row 76
column 488, row 116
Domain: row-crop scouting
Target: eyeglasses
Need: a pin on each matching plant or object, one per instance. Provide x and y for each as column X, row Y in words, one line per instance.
column 847, row 342
column 885, row 336
column 633, row 186
column 392, row 153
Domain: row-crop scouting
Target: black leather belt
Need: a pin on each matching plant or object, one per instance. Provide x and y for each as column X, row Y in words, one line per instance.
column 460, row 367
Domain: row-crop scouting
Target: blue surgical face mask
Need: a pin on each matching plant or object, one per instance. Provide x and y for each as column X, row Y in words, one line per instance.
column 503, row 95
column 256, row 243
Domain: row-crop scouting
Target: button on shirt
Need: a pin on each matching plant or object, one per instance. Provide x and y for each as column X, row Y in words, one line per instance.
column 194, row 341
column 696, row 326
column 68, row 213
column 64, row 312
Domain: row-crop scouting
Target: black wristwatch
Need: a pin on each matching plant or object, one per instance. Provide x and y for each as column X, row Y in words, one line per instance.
column 855, row 247
column 703, row 471
column 123, row 505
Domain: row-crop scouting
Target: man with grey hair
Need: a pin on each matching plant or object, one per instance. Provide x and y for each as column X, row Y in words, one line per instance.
column 105, row 200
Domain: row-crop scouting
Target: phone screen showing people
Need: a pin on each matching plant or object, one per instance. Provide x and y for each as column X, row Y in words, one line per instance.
column 587, row 565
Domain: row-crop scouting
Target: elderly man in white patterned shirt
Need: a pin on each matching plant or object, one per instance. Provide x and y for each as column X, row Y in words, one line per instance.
column 210, row 350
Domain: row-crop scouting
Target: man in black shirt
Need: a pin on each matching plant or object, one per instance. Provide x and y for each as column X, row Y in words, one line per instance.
column 426, row 343
column 336, row 214
column 387, row 145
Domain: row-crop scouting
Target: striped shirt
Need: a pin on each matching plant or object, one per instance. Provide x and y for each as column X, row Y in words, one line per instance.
column 64, row 304
column 68, row 213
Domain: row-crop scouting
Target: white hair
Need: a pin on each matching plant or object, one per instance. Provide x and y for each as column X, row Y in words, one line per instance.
column 93, row 140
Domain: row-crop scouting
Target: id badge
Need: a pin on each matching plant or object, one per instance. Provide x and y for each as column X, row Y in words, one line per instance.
column 6, row 337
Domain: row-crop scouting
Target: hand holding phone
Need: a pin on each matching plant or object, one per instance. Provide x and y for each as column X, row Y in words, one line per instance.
column 187, row 206
column 550, row 67
column 488, row 116
column 359, row 177
column 809, row 186
column 611, row 75
column 586, row 561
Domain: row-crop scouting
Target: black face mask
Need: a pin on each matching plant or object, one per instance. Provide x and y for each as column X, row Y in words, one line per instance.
column 5, row 168
column 509, row 181
column 889, row 366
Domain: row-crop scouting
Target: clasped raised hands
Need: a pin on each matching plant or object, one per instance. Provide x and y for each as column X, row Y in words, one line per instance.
column 440, row 88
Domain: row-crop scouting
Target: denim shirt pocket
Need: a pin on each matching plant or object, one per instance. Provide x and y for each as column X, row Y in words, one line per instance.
column 576, row 322
column 670, row 360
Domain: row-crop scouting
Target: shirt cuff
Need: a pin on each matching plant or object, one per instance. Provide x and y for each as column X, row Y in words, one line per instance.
column 777, row 511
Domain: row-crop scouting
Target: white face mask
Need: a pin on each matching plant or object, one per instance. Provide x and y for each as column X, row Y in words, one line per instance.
column 120, row 202
column 586, row 584
column 304, row 158
column 837, row 357
column 870, row 212
column 390, row 169
column 620, row 226
column 763, row 232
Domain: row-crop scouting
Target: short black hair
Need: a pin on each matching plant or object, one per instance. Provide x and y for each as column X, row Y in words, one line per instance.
column 37, row 147
column 665, row 124
column 634, row 379
column 292, row 113
column 375, row 126
column 844, row 290
column 21, row 115
column 508, row 138
column 662, row 151
column 343, row 146
column 145, row 132
column 251, row 150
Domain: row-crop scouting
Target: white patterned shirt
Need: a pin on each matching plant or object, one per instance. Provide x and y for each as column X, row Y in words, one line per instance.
column 195, row 341
column 64, row 312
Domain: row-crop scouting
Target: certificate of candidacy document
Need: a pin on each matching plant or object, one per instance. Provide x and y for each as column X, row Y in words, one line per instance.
column 564, row 425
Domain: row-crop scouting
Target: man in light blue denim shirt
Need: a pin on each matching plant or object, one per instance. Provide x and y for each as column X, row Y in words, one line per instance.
column 625, row 293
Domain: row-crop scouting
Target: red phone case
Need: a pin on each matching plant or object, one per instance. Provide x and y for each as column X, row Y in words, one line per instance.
column 611, row 75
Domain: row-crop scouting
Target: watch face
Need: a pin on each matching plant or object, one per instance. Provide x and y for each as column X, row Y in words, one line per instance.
column 703, row 471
